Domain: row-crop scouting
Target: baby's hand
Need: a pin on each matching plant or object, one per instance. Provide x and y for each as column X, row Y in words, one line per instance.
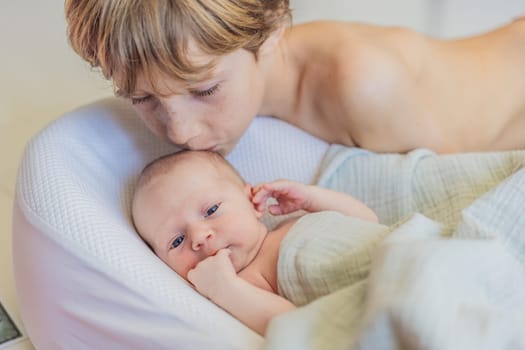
column 213, row 274
column 290, row 196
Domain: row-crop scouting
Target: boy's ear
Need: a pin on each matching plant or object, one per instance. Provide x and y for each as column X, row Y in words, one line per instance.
column 273, row 40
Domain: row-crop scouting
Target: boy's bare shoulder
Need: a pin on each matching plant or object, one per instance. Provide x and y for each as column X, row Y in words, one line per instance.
column 360, row 84
column 362, row 62
column 377, row 72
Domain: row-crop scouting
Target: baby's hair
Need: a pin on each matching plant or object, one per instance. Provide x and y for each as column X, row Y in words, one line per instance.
column 126, row 38
column 164, row 164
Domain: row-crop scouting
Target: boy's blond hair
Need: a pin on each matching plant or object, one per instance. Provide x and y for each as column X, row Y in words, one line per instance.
column 125, row 38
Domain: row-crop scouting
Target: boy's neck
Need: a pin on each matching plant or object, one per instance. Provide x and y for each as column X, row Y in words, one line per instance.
column 282, row 72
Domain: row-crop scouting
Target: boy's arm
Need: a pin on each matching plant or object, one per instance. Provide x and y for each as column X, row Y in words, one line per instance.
column 216, row 279
column 292, row 196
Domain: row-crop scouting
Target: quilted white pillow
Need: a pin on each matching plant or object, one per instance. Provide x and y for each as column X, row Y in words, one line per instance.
column 84, row 279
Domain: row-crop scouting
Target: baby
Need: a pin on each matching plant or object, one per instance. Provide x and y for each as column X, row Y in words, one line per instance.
column 199, row 216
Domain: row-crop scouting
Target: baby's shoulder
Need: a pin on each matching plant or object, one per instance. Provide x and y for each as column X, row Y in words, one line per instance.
column 282, row 229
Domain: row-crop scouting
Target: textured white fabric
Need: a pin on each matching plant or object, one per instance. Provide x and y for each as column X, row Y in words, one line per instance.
column 438, row 186
column 324, row 252
column 424, row 291
column 84, row 279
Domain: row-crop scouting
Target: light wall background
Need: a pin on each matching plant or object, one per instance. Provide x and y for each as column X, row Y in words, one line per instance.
column 440, row 18
column 41, row 78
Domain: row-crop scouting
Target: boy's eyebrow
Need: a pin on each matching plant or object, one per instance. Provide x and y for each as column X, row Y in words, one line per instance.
column 122, row 93
column 205, row 76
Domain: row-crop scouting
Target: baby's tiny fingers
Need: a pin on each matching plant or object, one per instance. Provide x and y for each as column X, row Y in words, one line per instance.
column 275, row 209
column 261, row 197
column 190, row 276
column 224, row 252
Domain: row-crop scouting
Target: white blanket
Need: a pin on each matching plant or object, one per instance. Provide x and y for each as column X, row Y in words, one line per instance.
column 451, row 277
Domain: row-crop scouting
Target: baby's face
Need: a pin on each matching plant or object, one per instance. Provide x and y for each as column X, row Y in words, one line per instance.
column 193, row 211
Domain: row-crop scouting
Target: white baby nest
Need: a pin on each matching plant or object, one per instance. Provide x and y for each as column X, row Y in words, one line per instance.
column 84, row 279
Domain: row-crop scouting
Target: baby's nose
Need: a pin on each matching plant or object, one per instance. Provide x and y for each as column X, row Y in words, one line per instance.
column 202, row 240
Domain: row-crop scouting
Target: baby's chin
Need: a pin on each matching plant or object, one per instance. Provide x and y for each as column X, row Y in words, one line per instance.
column 239, row 265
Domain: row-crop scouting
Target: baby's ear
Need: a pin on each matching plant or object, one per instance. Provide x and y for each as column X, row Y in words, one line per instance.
column 248, row 190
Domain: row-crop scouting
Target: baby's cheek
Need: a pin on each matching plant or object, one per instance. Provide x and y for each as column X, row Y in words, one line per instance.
column 175, row 264
column 185, row 265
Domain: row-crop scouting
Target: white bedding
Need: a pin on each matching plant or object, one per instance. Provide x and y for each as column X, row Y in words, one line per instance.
column 86, row 281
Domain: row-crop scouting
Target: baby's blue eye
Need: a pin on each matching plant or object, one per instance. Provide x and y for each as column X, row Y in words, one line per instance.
column 177, row 241
column 211, row 210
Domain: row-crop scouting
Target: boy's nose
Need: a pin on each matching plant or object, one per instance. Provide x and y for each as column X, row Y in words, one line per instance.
column 181, row 124
column 181, row 134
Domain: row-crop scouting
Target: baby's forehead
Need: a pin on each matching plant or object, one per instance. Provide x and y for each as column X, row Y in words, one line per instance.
column 209, row 165
column 186, row 167
column 197, row 159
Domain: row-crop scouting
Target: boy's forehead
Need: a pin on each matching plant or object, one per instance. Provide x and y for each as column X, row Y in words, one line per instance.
column 164, row 82
column 163, row 85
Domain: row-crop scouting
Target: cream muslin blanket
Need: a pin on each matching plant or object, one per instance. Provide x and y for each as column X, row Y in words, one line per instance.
column 450, row 276
column 324, row 252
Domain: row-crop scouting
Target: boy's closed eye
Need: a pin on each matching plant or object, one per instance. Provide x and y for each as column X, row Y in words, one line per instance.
column 140, row 100
column 206, row 92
